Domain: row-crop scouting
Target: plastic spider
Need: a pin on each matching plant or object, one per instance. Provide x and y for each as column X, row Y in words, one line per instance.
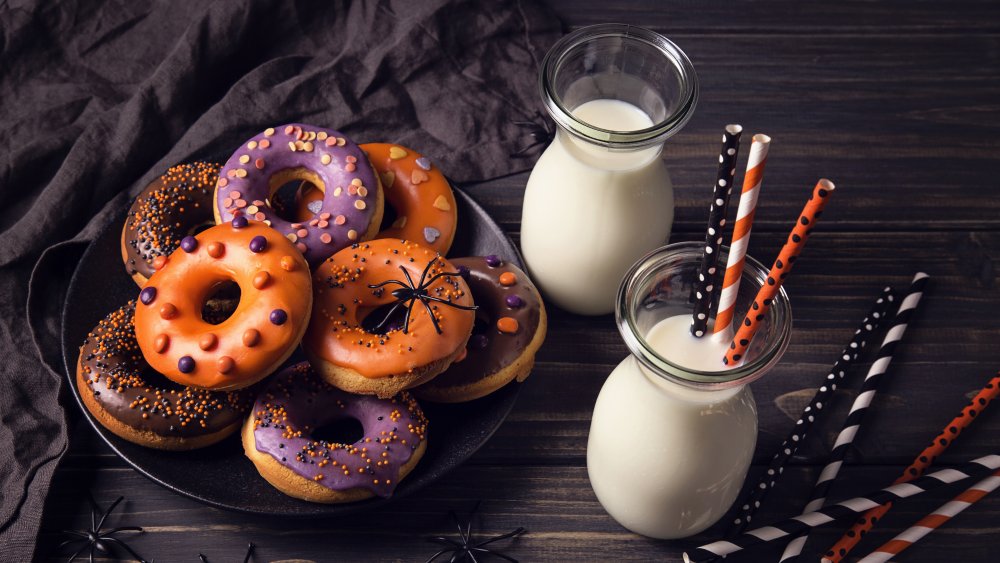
column 246, row 558
column 467, row 548
column 540, row 133
column 97, row 539
column 409, row 293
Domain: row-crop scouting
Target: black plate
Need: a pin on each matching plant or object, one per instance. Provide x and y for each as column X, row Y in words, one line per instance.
column 221, row 475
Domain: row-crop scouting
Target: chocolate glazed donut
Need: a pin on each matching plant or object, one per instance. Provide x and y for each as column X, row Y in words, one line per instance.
column 510, row 328
column 173, row 206
column 134, row 402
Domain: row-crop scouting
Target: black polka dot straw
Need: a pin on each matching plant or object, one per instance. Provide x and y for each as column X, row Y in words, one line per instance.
column 860, row 406
column 920, row 464
column 708, row 275
column 803, row 523
column 820, row 400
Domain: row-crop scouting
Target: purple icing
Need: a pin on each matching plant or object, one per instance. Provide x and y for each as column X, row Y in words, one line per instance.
column 147, row 295
column 306, row 402
column 240, row 222
column 464, row 272
column 185, row 364
column 514, row 301
column 493, row 261
column 478, row 341
column 431, row 234
column 189, row 244
column 258, row 244
column 278, row 316
column 250, row 181
column 424, row 163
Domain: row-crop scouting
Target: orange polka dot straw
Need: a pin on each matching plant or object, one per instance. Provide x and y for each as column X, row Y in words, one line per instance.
column 941, row 442
column 780, row 270
column 934, row 520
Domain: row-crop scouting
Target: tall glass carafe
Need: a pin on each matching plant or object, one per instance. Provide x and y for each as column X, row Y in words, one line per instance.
column 600, row 196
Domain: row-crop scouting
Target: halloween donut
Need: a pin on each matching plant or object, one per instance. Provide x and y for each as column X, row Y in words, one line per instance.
column 352, row 197
column 284, row 437
column 273, row 311
column 173, row 206
column 134, row 402
column 419, row 194
column 389, row 315
column 510, row 327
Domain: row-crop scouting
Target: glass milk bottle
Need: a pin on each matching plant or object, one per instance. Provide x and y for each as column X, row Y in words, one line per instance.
column 600, row 197
column 674, row 430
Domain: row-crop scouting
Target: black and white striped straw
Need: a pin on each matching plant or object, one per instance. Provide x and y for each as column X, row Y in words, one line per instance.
column 861, row 403
column 848, row 357
column 804, row 522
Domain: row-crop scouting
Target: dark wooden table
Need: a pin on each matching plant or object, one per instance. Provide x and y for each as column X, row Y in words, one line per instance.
column 898, row 103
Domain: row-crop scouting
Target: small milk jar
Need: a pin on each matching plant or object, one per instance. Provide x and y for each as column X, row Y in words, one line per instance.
column 600, row 196
column 674, row 430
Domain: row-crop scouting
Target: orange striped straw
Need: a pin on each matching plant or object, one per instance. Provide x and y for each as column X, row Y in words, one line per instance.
column 741, row 232
column 779, row 271
column 937, row 447
column 934, row 520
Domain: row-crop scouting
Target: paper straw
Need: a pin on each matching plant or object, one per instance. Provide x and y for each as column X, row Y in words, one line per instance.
column 741, row 231
column 934, row 520
column 820, row 398
column 805, row 522
column 861, row 403
column 779, row 271
column 717, row 212
column 937, row 446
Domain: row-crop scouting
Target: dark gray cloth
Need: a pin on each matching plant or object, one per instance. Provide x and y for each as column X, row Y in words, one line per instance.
column 97, row 98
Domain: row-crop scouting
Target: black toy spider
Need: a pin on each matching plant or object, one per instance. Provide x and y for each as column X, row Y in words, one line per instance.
column 540, row 131
column 467, row 548
column 246, row 558
column 410, row 293
column 98, row 540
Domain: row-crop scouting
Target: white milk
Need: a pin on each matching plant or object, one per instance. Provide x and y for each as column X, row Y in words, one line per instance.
column 589, row 213
column 667, row 461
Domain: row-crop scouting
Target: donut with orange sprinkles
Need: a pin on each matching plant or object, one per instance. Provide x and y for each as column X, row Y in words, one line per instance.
column 315, row 442
column 173, row 206
column 351, row 208
column 134, row 402
column 274, row 307
column 389, row 315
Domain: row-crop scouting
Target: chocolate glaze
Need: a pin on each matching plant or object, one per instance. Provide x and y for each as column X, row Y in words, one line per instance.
column 123, row 383
column 297, row 401
column 170, row 208
column 499, row 349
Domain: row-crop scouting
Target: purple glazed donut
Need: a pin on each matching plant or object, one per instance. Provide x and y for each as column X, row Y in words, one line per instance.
column 284, row 437
column 352, row 195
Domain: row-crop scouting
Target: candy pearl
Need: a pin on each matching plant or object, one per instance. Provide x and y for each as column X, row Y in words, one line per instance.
column 278, row 316
column 160, row 343
column 147, row 295
column 258, row 244
column 168, row 311
column 464, row 272
column 287, row 263
column 185, row 364
column 507, row 325
column 508, row 279
column 189, row 244
column 216, row 249
column 479, row 341
column 514, row 301
column 224, row 364
column 493, row 260
column 251, row 337
column 240, row 222
column 207, row 341
column 261, row 279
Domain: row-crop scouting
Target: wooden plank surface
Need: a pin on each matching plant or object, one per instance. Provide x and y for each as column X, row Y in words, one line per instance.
column 895, row 101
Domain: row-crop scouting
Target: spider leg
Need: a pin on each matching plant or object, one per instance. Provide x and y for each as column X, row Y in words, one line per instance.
column 75, row 533
column 436, row 555
column 123, row 545
column 406, row 273
column 442, row 275
column 516, row 532
column 434, row 321
column 495, row 554
column 107, row 513
column 250, row 547
column 445, row 541
column 471, row 555
column 427, row 268
column 409, row 312
column 92, row 547
column 450, row 303
column 122, row 529
column 388, row 316
column 387, row 282
column 202, row 557
column 94, row 511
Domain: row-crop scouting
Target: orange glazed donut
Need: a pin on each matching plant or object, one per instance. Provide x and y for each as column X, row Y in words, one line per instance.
column 390, row 315
column 418, row 192
column 273, row 313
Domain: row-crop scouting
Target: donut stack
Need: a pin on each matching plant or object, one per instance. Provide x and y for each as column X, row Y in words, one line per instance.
column 305, row 238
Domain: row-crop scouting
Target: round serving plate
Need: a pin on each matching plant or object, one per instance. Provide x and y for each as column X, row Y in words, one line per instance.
column 221, row 475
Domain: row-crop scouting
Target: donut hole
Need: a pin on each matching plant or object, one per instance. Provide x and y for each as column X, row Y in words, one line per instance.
column 374, row 321
column 389, row 217
column 156, row 380
column 200, row 227
column 296, row 194
column 221, row 302
column 340, row 431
